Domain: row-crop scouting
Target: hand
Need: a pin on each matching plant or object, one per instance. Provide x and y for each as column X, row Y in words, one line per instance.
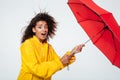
column 77, row 49
column 65, row 59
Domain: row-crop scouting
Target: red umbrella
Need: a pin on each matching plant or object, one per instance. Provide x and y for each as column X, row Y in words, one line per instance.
column 100, row 26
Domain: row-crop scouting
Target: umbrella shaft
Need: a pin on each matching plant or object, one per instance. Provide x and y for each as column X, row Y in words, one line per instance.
column 87, row 41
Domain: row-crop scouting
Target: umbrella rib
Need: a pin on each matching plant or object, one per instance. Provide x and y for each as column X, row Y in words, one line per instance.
column 90, row 9
column 113, row 39
column 95, row 35
column 100, row 35
column 91, row 20
column 104, row 29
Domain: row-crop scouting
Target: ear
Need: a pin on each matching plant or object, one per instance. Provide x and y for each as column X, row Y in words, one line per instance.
column 33, row 29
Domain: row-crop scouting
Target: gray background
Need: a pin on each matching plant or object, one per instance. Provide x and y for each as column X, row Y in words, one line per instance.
column 90, row 64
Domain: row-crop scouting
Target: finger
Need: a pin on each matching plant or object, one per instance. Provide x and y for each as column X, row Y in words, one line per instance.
column 82, row 45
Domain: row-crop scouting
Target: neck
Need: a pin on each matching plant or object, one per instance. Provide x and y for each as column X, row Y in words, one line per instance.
column 43, row 41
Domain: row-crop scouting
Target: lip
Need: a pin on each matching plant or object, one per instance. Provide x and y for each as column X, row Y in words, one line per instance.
column 43, row 33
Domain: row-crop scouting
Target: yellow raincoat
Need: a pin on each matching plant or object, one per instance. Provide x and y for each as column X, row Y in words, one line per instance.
column 39, row 61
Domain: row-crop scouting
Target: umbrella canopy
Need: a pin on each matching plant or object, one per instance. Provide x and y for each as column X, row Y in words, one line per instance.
column 100, row 26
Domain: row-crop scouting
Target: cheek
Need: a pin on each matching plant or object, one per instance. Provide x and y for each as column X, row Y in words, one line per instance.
column 47, row 30
column 39, row 30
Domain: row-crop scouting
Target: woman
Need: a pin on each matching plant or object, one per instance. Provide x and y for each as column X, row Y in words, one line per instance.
column 39, row 60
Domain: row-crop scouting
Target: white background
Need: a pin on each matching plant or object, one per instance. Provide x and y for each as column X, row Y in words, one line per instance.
column 90, row 64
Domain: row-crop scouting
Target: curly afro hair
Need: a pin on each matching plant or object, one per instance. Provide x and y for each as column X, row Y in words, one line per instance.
column 42, row 16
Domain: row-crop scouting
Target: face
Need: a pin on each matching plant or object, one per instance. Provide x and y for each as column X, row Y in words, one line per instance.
column 41, row 30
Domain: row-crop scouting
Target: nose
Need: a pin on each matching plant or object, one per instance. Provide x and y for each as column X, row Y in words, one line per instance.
column 44, row 28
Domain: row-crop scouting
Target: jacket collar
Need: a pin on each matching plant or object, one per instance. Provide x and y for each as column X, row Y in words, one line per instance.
column 37, row 40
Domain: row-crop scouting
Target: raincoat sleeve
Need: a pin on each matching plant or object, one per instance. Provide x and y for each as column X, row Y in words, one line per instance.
column 44, row 69
column 67, row 53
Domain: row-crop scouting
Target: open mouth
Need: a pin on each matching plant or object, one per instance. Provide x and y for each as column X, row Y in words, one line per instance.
column 43, row 34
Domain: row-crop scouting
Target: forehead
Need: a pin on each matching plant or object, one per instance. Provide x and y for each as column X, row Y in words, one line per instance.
column 41, row 22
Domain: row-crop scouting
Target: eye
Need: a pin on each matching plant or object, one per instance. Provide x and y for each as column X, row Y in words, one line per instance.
column 46, row 27
column 40, row 27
